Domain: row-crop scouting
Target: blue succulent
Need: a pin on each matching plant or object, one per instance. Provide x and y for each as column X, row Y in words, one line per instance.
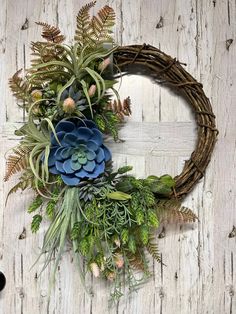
column 70, row 92
column 81, row 153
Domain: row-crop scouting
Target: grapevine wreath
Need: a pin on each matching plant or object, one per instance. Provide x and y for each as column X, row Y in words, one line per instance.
column 108, row 216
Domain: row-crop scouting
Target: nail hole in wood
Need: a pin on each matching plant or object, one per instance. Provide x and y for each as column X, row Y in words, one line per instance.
column 2, row 281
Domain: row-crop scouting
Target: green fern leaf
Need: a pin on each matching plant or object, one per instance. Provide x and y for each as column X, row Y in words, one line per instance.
column 37, row 219
column 37, row 202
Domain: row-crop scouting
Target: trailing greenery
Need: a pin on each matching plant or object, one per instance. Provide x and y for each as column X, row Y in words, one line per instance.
column 109, row 217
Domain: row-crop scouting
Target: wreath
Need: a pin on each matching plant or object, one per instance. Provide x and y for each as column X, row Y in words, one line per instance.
column 108, row 216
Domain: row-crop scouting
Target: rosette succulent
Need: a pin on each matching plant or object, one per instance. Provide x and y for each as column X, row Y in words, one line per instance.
column 79, row 152
column 73, row 100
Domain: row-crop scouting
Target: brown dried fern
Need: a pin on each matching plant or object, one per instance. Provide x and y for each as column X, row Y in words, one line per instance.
column 19, row 87
column 153, row 248
column 136, row 261
column 84, row 30
column 121, row 109
column 171, row 211
column 51, row 33
column 26, row 180
column 17, row 161
column 102, row 24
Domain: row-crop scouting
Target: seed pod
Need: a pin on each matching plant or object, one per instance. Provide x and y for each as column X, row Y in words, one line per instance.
column 102, row 66
column 69, row 105
column 95, row 269
column 119, row 260
column 36, row 94
column 92, row 90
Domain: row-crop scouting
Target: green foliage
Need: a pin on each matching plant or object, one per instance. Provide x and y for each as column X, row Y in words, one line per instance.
column 84, row 247
column 132, row 244
column 144, row 234
column 124, row 235
column 152, row 218
column 75, row 232
column 108, row 122
column 163, row 185
column 50, row 208
column 37, row 219
column 37, row 202
column 119, row 196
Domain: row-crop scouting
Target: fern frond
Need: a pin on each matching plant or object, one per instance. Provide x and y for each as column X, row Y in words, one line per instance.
column 153, row 248
column 26, row 180
column 136, row 261
column 171, row 211
column 102, row 24
column 19, row 87
column 17, row 161
column 84, row 30
column 51, row 33
column 120, row 108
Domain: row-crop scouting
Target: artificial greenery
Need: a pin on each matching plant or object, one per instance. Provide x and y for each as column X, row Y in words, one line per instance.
column 107, row 215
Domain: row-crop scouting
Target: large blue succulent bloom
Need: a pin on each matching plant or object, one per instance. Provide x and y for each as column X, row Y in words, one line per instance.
column 80, row 154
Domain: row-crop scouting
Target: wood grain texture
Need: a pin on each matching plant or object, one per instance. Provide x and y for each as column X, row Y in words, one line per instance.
column 201, row 258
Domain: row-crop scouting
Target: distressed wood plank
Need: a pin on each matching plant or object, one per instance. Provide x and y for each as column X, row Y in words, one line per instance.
column 200, row 273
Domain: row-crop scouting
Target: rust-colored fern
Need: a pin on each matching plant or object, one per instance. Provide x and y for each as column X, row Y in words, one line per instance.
column 153, row 248
column 120, row 108
column 19, row 87
column 17, row 161
column 51, row 33
column 171, row 211
column 102, row 24
column 136, row 261
column 84, row 30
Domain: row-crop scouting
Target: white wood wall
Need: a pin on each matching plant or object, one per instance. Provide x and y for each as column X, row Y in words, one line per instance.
column 200, row 275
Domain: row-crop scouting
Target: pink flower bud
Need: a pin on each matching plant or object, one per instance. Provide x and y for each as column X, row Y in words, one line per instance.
column 69, row 105
column 95, row 269
column 92, row 90
column 119, row 260
column 102, row 66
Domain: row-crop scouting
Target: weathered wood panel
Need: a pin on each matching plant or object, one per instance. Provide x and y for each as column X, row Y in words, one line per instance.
column 201, row 262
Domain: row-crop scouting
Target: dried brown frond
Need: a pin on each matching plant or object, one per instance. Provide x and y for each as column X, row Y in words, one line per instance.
column 136, row 261
column 17, row 161
column 26, row 180
column 19, row 87
column 84, row 30
column 120, row 108
column 153, row 248
column 171, row 211
column 102, row 24
column 51, row 33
